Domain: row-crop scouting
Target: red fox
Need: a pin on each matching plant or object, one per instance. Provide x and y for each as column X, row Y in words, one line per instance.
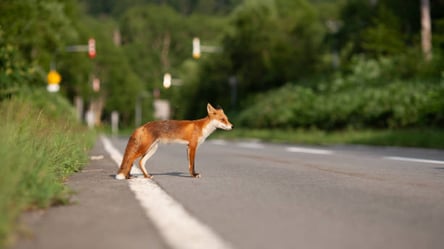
column 145, row 139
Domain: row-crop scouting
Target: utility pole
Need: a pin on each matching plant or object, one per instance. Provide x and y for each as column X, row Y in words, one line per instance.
column 426, row 30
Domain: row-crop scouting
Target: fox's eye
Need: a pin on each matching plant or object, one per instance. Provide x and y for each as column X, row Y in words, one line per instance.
column 222, row 119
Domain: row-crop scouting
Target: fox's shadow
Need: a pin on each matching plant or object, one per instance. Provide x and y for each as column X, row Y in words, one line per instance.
column 174, row 173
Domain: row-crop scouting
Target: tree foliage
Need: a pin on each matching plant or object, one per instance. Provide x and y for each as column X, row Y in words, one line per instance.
column 29, row 39
column 258, row 46
column 117, row 8
column 368, row 97
column 270, row 45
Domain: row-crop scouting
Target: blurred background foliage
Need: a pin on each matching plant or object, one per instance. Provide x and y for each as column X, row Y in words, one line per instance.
column 280, row 63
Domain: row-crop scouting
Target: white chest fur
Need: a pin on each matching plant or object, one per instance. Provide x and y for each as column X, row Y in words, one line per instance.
column 207, row 130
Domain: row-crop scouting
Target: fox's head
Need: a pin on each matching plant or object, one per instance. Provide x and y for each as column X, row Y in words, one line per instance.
column 219, row 118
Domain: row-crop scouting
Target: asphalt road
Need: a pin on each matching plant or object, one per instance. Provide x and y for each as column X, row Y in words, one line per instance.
column 258, row 195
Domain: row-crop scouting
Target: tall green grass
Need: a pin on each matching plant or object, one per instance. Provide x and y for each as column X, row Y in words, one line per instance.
column 41, row 143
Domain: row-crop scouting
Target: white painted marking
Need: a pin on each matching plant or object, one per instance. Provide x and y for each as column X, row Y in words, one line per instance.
column 113, row 152
column 99, row 157
column 251, row 145
column 218, row 142
column 309, row 151
column 175, row 224
column 417, row 160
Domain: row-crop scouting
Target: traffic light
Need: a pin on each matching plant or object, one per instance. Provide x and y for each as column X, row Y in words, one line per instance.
column 167, row 80
column 196, row 48
column 92, row 48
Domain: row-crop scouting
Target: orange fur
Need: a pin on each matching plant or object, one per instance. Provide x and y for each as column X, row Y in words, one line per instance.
column 144, row 140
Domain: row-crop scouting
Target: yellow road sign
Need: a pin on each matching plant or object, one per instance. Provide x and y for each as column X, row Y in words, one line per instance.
column 54, row 77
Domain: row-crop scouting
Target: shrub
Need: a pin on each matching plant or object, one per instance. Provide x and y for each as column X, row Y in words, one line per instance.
column 396, row 105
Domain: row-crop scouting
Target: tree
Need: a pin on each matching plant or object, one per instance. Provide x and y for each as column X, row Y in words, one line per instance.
column 117, row 8
column 120, row 85
column 273, row 42
column 39, row 29
column 265, row 45
column 156, row 41
column 384, row 36
column 37, row 32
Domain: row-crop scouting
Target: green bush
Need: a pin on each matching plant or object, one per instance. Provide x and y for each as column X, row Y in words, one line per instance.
column 41, row 145
column 399, row 104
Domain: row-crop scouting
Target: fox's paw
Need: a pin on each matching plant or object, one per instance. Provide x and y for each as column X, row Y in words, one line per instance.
column 120, row 176
column 197, row 175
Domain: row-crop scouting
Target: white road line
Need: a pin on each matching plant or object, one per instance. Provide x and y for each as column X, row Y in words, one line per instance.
column 417, row 160
column 309, row 151
column 175, row 224
column 251, row 145
column 218, row 142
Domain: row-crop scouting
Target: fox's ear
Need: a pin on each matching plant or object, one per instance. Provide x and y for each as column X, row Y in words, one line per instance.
column 219, row 108
column 210, row 108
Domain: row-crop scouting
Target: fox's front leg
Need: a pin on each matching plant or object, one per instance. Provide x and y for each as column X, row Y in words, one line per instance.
column 191, row 155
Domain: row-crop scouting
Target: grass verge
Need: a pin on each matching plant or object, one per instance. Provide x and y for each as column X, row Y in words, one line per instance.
column 423, row 138
column 41, row 144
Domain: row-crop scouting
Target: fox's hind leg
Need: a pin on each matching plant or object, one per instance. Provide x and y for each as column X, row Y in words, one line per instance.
column 146, row 156
column 134, row 149
column 125, row 167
